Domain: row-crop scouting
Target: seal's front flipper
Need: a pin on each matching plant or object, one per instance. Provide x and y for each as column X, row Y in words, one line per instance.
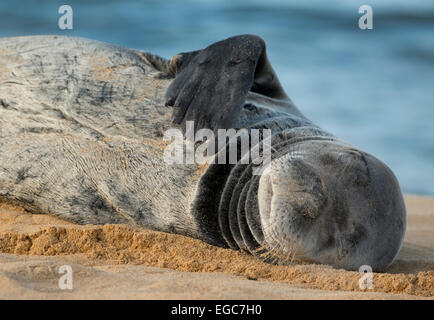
column 212, row 84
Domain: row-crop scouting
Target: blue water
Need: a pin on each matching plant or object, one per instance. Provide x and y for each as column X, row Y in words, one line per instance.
column 373, row 88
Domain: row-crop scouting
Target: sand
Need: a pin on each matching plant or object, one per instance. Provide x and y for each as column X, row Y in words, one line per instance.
column 121, row 262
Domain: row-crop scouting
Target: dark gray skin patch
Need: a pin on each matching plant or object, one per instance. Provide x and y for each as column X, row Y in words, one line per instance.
column 41, row 130
column 4, row 104
column 23, row 174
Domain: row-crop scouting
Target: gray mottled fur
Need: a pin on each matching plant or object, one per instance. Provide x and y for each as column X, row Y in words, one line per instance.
column 81, row 126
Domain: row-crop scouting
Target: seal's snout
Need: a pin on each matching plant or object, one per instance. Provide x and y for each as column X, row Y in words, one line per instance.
column 333, row 204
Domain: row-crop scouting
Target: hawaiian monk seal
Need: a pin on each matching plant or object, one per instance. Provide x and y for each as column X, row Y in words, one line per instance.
column 81, row 137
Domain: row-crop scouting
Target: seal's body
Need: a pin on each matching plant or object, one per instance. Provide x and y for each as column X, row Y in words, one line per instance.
column 81, row 137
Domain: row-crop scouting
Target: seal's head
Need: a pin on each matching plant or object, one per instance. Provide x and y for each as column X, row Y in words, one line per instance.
column 327, row 202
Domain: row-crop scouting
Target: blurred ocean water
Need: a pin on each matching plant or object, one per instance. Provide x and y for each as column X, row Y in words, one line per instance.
column 372, row 88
